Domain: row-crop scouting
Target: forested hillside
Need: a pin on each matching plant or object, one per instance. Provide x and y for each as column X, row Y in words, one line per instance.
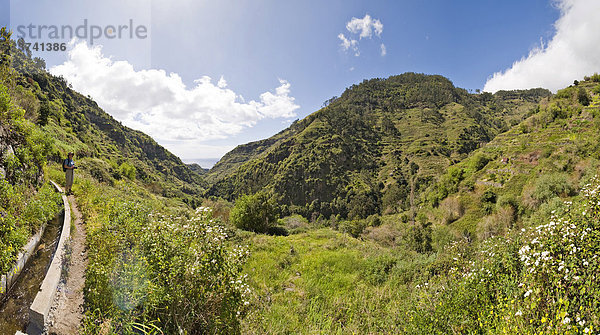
column 406, row 205
column 522, row 174
column 156, row 264
column 374, row 149
column 102, row 145
column 504, row 241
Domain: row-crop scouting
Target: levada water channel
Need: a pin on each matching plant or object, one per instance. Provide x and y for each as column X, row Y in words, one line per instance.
column 14, row 309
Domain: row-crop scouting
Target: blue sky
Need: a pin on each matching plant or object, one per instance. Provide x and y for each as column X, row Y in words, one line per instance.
column 271, row 62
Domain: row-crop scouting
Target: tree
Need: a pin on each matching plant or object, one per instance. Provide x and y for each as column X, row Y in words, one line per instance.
column 44, row 112
column 5, row 46
column 583, row 96
column 255, row 213
column 39, row 63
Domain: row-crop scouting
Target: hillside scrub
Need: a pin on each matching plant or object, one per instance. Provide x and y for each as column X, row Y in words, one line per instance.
column 538, row 279
column 371, row 150
column 26, row 199
column 157, row 264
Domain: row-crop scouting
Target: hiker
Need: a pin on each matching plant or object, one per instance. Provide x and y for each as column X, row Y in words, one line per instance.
column 68, row 167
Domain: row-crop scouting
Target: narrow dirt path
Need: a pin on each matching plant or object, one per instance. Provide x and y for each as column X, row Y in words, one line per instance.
column 68, row 307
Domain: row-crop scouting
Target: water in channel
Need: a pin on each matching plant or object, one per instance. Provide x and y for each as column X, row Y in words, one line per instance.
column 14, row 309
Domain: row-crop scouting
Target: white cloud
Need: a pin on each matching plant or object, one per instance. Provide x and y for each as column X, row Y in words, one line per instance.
column 347, row 44
column 383, row 50
column 222, row 83
column 162, row 106
column 365, row 26
column 571, row 54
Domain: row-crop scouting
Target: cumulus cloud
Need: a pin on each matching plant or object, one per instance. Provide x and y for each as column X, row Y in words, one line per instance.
column 347, row 44
column 364, row 28
column 162, row 106
column 571, row 54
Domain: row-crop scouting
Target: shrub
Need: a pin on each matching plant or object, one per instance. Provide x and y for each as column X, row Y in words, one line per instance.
column 550, row 185
column 254, row 213
column 441, row 236
column 558, row 274
column 565, row 93
column 20, row 215
column 98, row 168
column 219, row 207
column 488, row 199
column 452, row 209
column 127, row 170
column 419, row 237
column 583, row 96
column 495, row 224
column 507, row 200
column 175, row 272
column 377, row 270
column 386, row 234
column 479, row 161
column 354, row 227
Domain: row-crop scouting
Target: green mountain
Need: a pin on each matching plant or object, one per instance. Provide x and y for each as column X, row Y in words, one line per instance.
column 504, row 241
column 104, row 147
column 525, row 173
column 374, row 149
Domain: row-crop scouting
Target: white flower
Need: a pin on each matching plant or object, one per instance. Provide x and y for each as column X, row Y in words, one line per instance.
column 519, row 313
column 528, row 293
column 566, row 320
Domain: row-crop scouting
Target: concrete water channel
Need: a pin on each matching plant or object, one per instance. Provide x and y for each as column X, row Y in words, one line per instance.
column 14, row 309
column 28, row 291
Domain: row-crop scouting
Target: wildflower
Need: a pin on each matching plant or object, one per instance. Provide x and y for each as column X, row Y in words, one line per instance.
column 519, row 313
column 528, row 293
column 566, row 320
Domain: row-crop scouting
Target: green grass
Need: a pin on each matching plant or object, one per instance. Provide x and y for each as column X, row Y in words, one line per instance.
column 325, row 281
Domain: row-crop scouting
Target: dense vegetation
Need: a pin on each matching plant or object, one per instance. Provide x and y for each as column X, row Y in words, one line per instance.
column 373, row 150
column 156, row 263
column 404, row 206
column 26, row 199
column 504, row 242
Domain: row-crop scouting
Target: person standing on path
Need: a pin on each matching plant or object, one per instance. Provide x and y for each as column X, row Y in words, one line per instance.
column 68, row 167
